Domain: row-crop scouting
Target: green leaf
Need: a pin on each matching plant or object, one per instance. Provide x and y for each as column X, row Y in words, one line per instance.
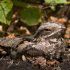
column 60, row 1
column 30, row 15
column 5, row 8
column 55, row 1
column 19, row 3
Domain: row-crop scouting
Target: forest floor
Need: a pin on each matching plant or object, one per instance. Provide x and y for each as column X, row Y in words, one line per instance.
column 27, row 49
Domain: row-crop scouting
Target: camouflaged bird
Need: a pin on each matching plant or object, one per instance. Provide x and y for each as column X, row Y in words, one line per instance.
column 48, row 40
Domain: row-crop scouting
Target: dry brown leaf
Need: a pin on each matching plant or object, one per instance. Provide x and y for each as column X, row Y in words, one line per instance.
column 49, row 62
column 66, row 36
column 24, row 30
column 11, row 35
column 1, row 28
column 56, row 19
column 62, row 20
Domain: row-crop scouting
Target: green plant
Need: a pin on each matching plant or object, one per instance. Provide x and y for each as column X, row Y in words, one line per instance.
column 5, row 8
column 53, row 3
column 28, row 13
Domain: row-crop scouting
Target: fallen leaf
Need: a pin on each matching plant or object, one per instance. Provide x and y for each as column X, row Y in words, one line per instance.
column 12, row 35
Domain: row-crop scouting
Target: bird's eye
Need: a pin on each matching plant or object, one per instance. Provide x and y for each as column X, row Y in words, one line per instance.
column 47, row 29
